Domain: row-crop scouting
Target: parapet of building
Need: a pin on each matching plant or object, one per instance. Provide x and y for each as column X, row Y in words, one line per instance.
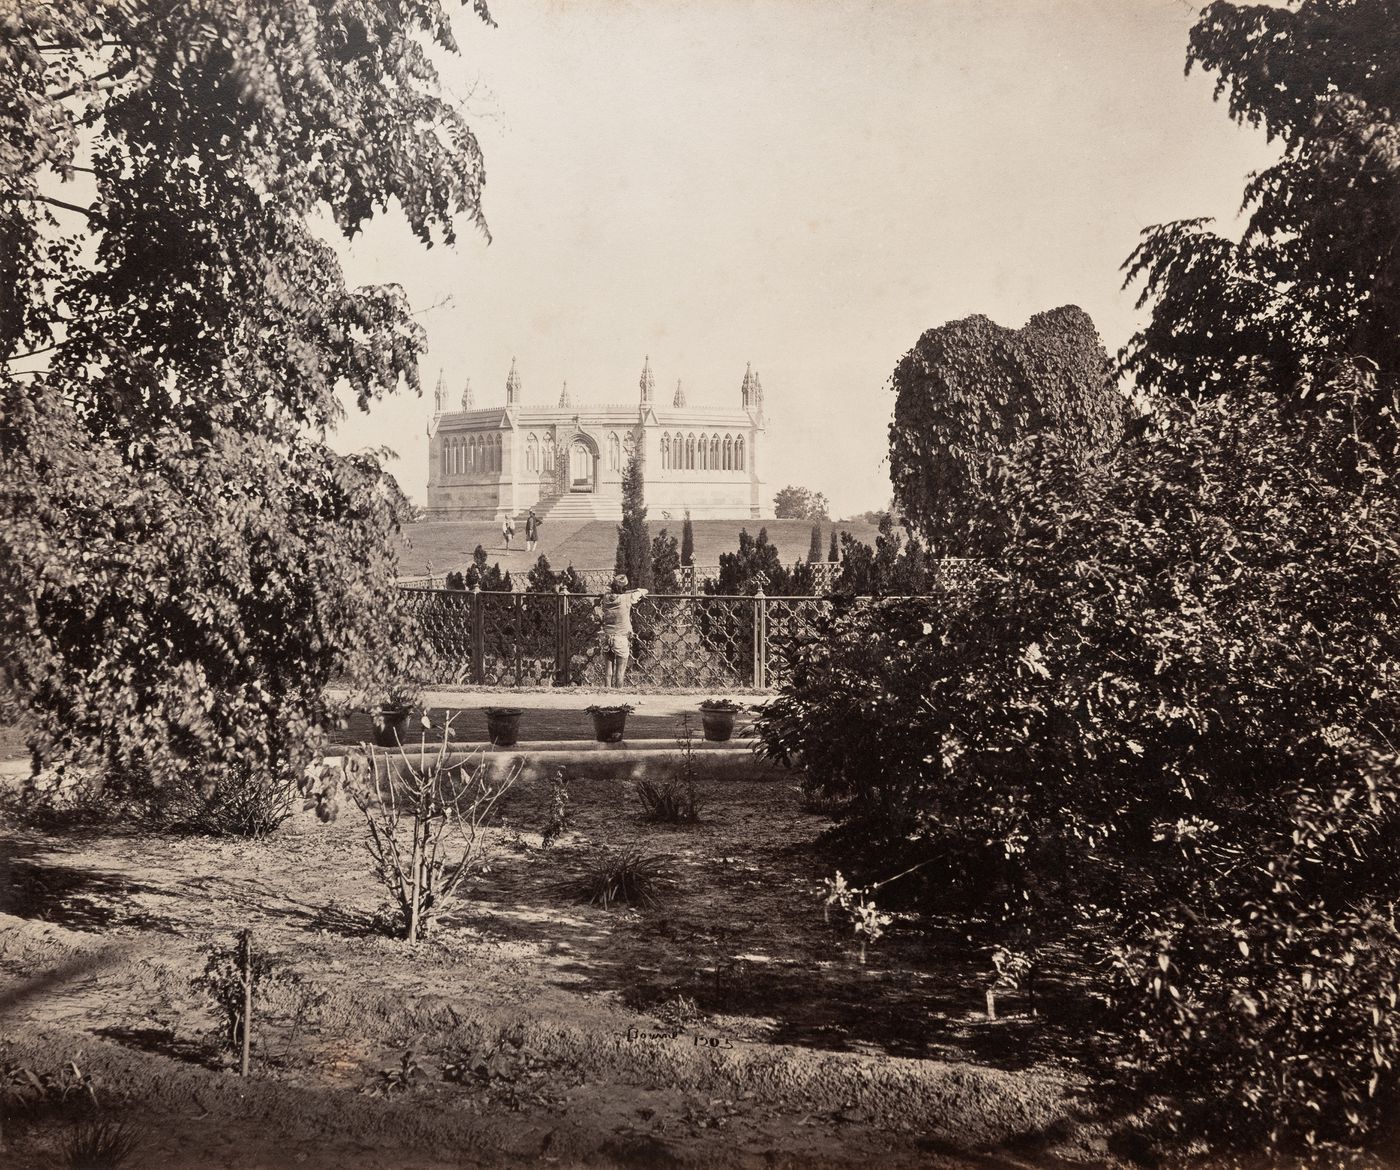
column 567, row 460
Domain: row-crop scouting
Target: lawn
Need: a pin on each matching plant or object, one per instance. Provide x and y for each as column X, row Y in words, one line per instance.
column 593, row 544
column 726, row 1024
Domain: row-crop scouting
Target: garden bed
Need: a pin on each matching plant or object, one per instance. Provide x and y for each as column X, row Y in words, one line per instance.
column 726, row 1024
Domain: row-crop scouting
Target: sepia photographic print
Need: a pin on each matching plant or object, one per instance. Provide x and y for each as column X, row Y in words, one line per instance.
column 731, row 585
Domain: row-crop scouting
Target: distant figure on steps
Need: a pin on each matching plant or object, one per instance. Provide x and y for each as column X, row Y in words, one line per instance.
column 507, row 531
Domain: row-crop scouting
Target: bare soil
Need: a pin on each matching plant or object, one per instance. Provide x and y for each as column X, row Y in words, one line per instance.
column 726, row 1024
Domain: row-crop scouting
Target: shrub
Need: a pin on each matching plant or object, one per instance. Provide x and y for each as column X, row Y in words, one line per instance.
column 670, row 802
column 1167, row 713
column 101, row 1144
column 233, row 802
column 628, row 875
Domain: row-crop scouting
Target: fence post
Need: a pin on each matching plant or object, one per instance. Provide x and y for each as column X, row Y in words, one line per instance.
column 519, row 637
column 760, row 642
column 561, row 638
column 478, row 638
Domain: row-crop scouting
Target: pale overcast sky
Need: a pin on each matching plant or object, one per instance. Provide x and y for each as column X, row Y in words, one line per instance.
column 802, row 184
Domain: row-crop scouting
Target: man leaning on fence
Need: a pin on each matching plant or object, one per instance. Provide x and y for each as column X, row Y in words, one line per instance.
column 617, row 627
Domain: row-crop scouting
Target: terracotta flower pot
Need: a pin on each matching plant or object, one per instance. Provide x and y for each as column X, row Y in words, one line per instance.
column 719, row 725
column 608, row 724
column 503, row 725
column 390, row 726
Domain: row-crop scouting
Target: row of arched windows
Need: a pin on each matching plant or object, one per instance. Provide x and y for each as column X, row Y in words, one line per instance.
column 703, row 453
column 471, row 454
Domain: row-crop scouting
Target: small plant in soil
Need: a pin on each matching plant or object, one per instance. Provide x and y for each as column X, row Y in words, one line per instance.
column 560, row 815
column 231, row 979
column 443, row 812
column 402, row 1077
column 630, row 876
column 239, row 801
column 674, row 801
column 101, row 1144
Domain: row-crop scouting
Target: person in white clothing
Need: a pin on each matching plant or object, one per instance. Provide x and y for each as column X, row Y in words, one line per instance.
column 617, row 628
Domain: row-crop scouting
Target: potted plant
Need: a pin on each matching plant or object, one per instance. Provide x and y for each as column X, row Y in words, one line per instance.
column 718, row 718
column 609, row 721
column 390, row 718
column 503, row 725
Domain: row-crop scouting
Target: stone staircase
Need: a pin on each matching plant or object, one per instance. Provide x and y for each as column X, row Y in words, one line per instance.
column 581, row 506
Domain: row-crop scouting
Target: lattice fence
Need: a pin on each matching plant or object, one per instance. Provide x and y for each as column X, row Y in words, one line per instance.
column 544, row 639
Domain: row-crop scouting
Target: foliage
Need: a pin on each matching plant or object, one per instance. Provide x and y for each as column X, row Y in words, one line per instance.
column 631, row 876
column 720, row 705
column 814, row 550
column 232, row 801
column 560, row 814
column 443, row 809
column 832, row 554
column 891, row 569
column 687, row 540
column 186, row 562
column 455, row 580
column 856, row 906
column 633, row 544
column 970, row 392
column 1315, row 277
column 800, row 503
column 609, row 709
column 489, row 579
column 674, row 801
column 101, row 1143
column 755, row 564
column 224, row 980
column 1166, row 716
column 665, row 563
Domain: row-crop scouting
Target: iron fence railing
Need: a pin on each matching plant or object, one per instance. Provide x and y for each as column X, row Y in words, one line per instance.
column 555, row 639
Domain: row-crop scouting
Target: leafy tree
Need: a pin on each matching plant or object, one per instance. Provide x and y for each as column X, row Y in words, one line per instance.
column 1162, row 729
column 687, row 540
column 479, row 575
column 186, row 562
column 1315, row 278
column 665, row 561
column 633, row 543
column 971, row 391
column 542, row 578
column 833, row 554
column 755, row 563
column 800, row 503
column 814, row 552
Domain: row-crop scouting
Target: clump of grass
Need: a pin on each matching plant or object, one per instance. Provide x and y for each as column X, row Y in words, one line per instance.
column 668, row 803
column 631, row 876
column 101, row 1144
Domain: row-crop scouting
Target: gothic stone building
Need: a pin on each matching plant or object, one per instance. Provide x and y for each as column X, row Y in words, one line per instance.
column 567, row 461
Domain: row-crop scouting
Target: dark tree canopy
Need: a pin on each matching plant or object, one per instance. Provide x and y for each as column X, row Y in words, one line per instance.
column 970, row 392
column 1315, row 278
column 687, row 540
column 633, row 541
column 186, row 562
column 665, row 563
column 800, row 503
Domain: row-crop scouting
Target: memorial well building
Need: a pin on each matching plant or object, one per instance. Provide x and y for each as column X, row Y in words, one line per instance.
column 566, row 461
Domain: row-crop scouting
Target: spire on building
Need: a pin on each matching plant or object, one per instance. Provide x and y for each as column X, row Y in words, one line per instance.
column 467, row 399
column 757, row 391
column 746, row 390
column 647, row 382
column 564, row 399
column 512, row 386
column 679, row 399
column 440, row 394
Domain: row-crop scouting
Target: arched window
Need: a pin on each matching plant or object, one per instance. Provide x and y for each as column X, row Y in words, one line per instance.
column 476, row 454
column 714, row 452
column 665, row 451
column 614, row 452
column 444, row 453
column 690, row 453
column 459, row 457
column 498, row 444
column 532, row 453
column 629, row 445
column 704, row 453
column 728, row 453
column 739, row 453
column 549, row 453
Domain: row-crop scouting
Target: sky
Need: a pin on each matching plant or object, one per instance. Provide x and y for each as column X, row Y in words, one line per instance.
column 806, row 185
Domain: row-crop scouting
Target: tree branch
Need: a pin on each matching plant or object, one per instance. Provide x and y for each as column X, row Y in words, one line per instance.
column 92, row 215
column 88, row 84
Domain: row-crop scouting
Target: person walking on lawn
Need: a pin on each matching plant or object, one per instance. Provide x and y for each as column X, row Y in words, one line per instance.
column 617, row 628
column 532, row 530
column 507, row 531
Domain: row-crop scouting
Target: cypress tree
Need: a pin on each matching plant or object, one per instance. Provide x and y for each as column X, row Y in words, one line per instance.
column 687, row 541
column 633, row 541
column 814, row 553
column 831, row 554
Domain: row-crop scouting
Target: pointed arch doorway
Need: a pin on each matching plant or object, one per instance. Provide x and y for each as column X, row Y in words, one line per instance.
column 583, row 465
